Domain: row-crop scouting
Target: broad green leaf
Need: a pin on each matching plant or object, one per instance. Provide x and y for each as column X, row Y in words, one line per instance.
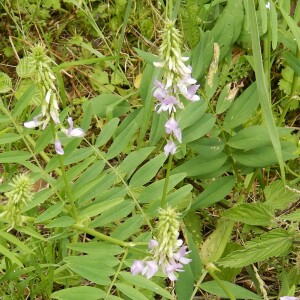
column 144, row 283
column 224, row 102
column 113, row 214
column 264, row 156
column 24, row 101
column 50, row 213
column 25, row 67
column 254, row 137
column 242, row 109
column 130, row 292
column 15, row 156
column 96, row 248
column 128, row 228
column 191, row 113
column 12, row 239
column 109, row 105
column 63, row 221
column 5, row 83
column 107, row 132
column 7, row 138
column 273, row 243
column 198, row 129
column 251, row 214
column 200, row 165
column 79, row 293
column 10, row 255
column 214, row 246
column 239, row 292
column 215, row 192
column 147, row 171
column 121, row 141
column 154, row 191
column 96, row 209
column 208, row 146
column 93, row 268
column 278, row 196
column 133, row 160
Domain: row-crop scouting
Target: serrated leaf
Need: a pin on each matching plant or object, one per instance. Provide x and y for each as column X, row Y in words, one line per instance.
column 294, row 216
column 251, row 214
column 130, row 292
column 147, row 171
column 274, row 243
column 79, row 293
column 278, row 196
column 5, row 83
column 25, row 67
column 142, row 282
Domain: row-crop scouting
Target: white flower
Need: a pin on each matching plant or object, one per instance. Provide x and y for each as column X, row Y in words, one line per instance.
column 170, row 148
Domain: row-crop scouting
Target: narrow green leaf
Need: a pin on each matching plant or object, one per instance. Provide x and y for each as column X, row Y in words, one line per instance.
column 184, row 285
column 121, row 141
column 273, row 243
column 293, row 62
column 274, row 25
column 144, row 283
column 7, row 138
column 97, row 248
column 12, row 239
column 63, row 221
column 7, row 253
column 262, row 87
column 50, row 213
column 214, row 192
column 15, row 156
column 128, row 228
column 107, row 132
column 251, row 214
column 130, row 292
column 239, row 292
column 263, row 16
column 24, row 101
column 148, row 171
column 79, row 293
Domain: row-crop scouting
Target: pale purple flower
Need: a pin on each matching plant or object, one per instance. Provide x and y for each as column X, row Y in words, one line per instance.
column 58, row 147
column 172, row 127
column 160, row 92
column 74, row 132
column 170, row 148
column 168, row 104
column 289, row 298
column 170, row 268
column 137, row 267
column 34, row 123
column 54, row 115
column 150, row 269
column 180, row 256
column 152, row 244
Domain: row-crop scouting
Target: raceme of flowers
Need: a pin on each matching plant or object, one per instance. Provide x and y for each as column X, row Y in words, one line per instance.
column 176, row 81
column 166, row 251
column 44, row 79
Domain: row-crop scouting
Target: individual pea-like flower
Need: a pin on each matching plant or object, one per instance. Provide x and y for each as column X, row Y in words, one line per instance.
column 73, row 132
column 170, row 148
column 166, row 251
column 58, row 147
column 172, row 127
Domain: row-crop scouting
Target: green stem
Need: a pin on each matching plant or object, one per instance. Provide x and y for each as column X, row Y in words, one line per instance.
column 117, row 274
column 163, row 198
column 222, row 285
column 170, row 7
column 198, row 284
column 106, row 238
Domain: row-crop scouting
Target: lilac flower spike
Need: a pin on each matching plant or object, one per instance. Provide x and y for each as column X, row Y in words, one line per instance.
column 170, row 148
column 58, row 147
